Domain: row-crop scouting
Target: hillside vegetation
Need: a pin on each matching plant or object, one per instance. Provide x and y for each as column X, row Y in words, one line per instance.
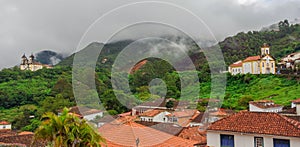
column 26, row 95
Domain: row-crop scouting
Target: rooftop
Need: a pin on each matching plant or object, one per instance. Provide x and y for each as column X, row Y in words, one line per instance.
column 258, row 123
column 297, row 101
column 4, row 123
column 125, row 135
column 264, row 104
column 193, row 133
column 151, row 112
column 252, row 58
column 170, row 128
column 236, row 64
column 83, row 110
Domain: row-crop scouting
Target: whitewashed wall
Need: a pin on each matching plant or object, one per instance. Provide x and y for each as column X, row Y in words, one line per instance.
column 93, row 116
column 253, row 108
column 247, row 140
column 5, row 126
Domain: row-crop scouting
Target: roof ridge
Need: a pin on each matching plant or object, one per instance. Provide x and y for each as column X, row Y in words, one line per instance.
column 292, row 122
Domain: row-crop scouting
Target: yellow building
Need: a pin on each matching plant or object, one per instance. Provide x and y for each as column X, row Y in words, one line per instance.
column 263, row 64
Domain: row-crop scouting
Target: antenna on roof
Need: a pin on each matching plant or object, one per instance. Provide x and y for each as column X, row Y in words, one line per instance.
column 137, row 141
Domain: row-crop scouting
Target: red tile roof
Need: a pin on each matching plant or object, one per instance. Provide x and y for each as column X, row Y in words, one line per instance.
column 82, row 111
column 151, row 112
column 4, row 123
column 183, row 113
column 125, row 114
column 297, row 101
column 193, row 133
column 220, row 112
column 170, row 128
column 123, row 135
column 252, row 58
column 264, row 104
column 258, row 123
column 240, row 64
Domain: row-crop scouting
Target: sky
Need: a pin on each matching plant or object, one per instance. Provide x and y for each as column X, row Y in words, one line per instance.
column 34, row 25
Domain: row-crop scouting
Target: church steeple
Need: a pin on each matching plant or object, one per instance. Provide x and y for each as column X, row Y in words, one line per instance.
column 265, row 50
column 24, row 60
column 31, row 58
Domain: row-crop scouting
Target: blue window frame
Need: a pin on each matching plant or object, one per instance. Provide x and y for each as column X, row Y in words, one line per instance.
column 281, row 143
column 227, row 140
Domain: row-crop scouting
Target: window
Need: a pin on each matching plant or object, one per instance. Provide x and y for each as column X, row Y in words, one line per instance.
column 281, row 143
column 263, row 64
column 173, row 119
column 259, row 142
column 227, row 140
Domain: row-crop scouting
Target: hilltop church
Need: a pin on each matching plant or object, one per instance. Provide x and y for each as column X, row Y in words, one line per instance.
column 31, row 64
column 262, row 64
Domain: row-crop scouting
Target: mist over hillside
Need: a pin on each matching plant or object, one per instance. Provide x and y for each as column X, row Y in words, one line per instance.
column 49, row 57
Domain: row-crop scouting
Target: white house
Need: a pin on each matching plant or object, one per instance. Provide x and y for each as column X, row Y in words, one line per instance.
column 5, row 125
column 264, row 106
column 86, row 113
column 254, row 129
column 290, row 60
column 150, row 105
column 154, row 116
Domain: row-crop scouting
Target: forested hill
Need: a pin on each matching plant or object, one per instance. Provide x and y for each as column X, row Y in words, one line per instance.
column 283, row 41
column 25, row 93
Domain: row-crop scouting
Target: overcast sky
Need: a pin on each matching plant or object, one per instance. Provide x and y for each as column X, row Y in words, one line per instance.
column 34, row 25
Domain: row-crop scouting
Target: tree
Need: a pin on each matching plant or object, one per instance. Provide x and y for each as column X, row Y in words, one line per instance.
column 170, row 104
column 66, row 130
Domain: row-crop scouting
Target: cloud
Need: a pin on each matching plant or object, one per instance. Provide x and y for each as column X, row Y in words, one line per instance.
column 34, row 25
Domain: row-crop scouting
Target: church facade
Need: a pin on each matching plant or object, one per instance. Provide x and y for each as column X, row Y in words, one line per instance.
column 262, row 64
column 31, row 64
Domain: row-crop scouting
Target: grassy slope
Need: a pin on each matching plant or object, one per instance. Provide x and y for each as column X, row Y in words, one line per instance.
column 281, row 89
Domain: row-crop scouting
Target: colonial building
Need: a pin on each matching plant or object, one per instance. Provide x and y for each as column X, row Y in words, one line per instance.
column 32, row 64
column 291, row 61
column 254, row 129
column 262, row 64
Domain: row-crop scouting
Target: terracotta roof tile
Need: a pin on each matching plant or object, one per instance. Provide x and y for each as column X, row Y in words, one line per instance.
column 4, row 123
column 258, row 123
column 21, row 139
column 151, row 113
column 183, row 113
column 264, row 104
column 252, row 58
column 297, row 101
column 170, row 128
column 193, row 133
column 240, row 64
column 118, row 135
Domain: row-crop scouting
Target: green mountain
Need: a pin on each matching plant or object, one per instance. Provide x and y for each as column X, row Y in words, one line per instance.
column 24, row 94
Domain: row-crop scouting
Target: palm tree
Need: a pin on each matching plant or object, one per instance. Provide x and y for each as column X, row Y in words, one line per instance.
column 66, row 130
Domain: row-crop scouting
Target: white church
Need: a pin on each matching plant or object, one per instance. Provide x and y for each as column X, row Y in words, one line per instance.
column 31, row 64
